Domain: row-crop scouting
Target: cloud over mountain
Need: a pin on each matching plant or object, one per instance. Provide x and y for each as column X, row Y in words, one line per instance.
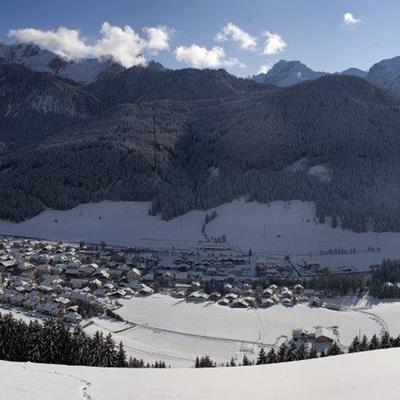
column 274, row 43
column 201, row 57
column 122, row 44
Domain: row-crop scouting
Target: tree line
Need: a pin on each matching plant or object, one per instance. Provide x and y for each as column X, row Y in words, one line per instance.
column 287, row 353
column 385, row 279
column 54, row 343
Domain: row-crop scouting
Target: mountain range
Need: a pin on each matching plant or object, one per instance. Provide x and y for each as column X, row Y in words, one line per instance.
column 385, row 73
column 193, row 139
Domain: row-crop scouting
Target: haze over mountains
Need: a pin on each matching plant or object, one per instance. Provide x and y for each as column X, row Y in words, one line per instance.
column 190, row 138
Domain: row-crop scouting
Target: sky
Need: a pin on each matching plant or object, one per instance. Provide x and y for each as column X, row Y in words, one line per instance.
column 242, row 36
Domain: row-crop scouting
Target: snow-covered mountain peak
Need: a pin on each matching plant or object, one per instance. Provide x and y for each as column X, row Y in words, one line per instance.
column 82, row 71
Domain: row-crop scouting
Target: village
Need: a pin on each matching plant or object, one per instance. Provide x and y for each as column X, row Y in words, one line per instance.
column 130, row 291
column 82, row 280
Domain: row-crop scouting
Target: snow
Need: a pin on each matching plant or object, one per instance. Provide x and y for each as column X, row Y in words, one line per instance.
column 121, row 223
column 176, row 331
column 84, row 70
column 298, row 165
column 322, row 172
column 290, row 228
column 360, row 376
column 273, row 230
column 387, row 312
column 17, row 313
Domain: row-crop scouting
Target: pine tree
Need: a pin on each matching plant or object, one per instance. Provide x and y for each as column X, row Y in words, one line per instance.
column 374, row 343
column 334, row 350
column 271, row 357
column 246, row 361
column 396, row 341
column 36, row 343
column 291, row 354
column 364, row 346
column 262, row 358
column 282, row 352
column 386, row 341
column 355, row 345
column 110, row 354
column 120, row 361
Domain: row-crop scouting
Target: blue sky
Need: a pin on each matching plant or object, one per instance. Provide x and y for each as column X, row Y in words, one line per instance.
column 312, row 30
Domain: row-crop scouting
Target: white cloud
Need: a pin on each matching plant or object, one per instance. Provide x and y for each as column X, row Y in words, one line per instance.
column 350, row 20
column 158, row 37
column 264, row 69
column 65, row 42
column 274, row 43
column 123, row 45
column 233, row 32
column 201, row 57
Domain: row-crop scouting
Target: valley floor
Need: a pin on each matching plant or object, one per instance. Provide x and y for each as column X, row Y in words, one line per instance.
column 176, row 331
column 370, row 375
column 270, row 230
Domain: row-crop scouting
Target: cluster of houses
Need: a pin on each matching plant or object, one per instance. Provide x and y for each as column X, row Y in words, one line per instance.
column 245, row 296
column 59, row 279
column 56, row 278
column 79, row 280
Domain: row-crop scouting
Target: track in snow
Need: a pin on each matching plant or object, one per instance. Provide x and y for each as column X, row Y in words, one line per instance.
column 85, row 394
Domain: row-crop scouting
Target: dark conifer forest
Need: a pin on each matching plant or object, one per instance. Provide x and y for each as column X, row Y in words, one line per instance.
column 53, row 342
column 194, row 139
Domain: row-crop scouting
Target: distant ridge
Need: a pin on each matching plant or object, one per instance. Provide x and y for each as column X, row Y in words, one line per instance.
column 287, row 73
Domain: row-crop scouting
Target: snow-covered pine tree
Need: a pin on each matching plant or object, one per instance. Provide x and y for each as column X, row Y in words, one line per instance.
column 355, row 345
column 334, row 350
column 120, row 361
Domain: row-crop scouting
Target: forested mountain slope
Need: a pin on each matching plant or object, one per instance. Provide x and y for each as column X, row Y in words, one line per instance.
column 139, row 84
column 34, row 104
column 333, row 140
column 386, row 73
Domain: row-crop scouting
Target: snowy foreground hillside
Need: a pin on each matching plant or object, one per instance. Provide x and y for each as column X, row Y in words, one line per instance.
column 360, row 376
column 273, row 230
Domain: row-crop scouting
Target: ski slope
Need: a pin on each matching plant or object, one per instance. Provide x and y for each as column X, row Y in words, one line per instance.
column 359, row 376
column 274, row 230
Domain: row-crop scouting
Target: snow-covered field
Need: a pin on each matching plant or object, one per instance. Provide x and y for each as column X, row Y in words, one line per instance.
column 360, row 376
column 164, row 328
column 119, row 223
column 387, row 311
column 176, row 331
column 17, row 313
column 290, row 228
column 275, row 230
